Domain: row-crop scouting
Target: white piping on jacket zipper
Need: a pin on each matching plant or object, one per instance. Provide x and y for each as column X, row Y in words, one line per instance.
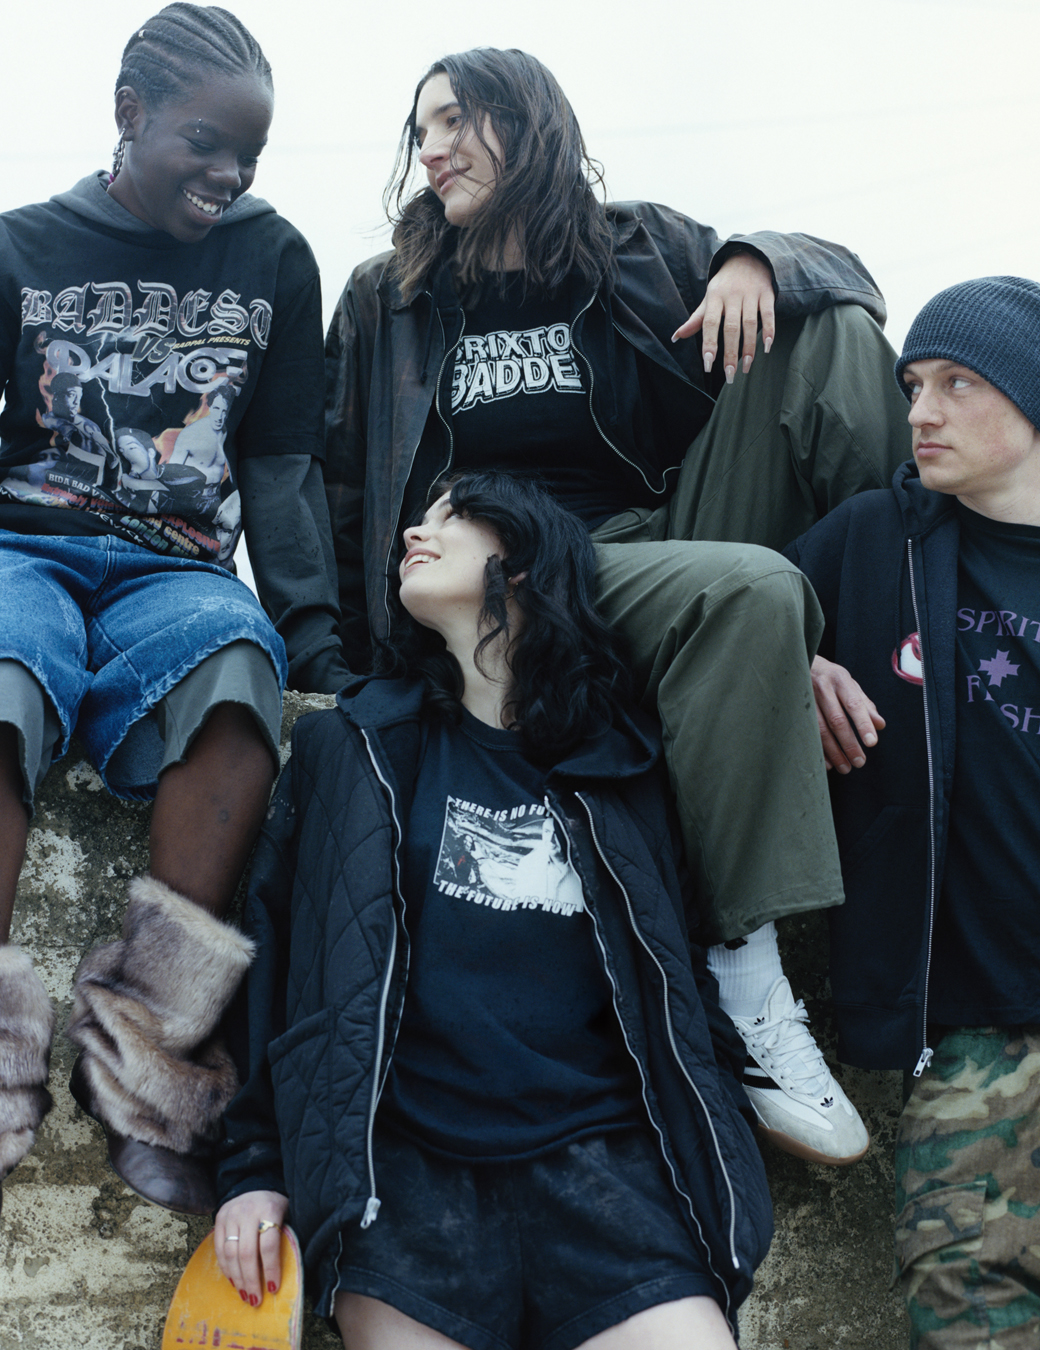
column 671, row 1041
column 373, row 1202
column 415, row 449
column 926, row 1052
column 658, row 492
column 449, row 352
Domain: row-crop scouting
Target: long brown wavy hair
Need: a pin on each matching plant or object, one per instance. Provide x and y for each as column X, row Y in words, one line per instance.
column 544, row 193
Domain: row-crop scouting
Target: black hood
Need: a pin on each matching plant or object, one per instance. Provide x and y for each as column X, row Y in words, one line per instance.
column 626, row 749
column 921, row 508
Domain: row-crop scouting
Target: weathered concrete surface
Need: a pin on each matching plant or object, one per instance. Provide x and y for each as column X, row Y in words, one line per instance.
column 84, row 1262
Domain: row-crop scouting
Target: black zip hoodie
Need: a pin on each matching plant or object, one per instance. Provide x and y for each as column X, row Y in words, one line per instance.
column 884, row 565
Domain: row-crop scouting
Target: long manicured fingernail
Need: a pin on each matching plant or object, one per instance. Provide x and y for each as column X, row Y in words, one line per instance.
column 747, row 363
column 730, row 373
column 709, row 361
column 270, row 1286
column 766, row 344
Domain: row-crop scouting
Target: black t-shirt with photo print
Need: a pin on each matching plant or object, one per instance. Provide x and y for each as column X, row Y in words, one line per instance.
column 986, row 949
column 520, row 403
column 138, row 371
column 509, row 1044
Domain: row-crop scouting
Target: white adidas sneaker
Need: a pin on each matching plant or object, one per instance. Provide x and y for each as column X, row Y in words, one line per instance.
column 799, row 1105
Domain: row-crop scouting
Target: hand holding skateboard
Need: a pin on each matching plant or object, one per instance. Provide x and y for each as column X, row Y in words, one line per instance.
column 209, row 1311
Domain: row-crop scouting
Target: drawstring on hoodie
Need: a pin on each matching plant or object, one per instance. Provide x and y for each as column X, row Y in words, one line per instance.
column 443, row 301
column 611, row 358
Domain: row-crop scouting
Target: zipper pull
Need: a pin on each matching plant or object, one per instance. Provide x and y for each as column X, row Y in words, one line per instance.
column 371, row 1210
column 924, row 1061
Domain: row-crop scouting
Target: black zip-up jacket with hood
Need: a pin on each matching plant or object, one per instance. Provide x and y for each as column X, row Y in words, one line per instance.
column 388, row 375
column 884, row 565
column 314, row 1026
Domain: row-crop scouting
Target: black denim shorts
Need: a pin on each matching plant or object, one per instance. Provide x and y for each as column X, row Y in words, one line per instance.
column 540, row 1254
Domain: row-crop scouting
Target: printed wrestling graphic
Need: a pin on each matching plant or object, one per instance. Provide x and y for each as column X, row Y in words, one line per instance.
column 499, row 365
column 134, row 410
column 506, row 860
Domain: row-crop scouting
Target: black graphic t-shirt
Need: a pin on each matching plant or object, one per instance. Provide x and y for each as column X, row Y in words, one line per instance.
column 137, row 370
column 520, row 402
column 509, row 1044
column 986, row 950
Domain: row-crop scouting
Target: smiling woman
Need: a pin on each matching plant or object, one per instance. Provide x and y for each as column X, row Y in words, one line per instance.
column 162, row 392
column 185, row 162
column 463, row 161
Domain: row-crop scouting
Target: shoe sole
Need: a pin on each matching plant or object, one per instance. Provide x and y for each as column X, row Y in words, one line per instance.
column 207, row 1310
column 800, row 1150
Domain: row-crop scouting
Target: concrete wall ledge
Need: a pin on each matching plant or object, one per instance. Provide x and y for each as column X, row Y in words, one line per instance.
column 83, row 1261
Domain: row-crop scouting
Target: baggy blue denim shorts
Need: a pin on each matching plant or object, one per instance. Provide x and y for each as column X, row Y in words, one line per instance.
column 109, row 628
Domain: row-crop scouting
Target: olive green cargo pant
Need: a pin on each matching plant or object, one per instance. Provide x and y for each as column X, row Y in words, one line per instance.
column 721, row 634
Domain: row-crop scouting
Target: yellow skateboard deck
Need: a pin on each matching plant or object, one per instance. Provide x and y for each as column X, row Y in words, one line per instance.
column 208, row 1311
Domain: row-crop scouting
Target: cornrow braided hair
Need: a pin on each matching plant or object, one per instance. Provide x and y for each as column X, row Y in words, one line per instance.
column 163, row 58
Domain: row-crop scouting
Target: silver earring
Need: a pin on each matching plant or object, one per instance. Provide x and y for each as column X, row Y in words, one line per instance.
column 118, row 153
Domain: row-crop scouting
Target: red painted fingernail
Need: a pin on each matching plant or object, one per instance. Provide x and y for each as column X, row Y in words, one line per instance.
column 242, row 1295
column 270, row 1286
column 254, row 1300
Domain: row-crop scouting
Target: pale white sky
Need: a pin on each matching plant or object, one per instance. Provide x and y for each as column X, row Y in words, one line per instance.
column 908, row 130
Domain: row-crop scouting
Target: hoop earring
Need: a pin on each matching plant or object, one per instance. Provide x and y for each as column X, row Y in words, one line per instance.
column 118, row 153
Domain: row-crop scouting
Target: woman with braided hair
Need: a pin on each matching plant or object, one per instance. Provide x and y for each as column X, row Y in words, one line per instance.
column 162, row 298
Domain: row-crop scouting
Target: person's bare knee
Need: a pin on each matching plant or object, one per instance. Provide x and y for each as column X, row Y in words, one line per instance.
column 369, row 1324
column 677, row 1325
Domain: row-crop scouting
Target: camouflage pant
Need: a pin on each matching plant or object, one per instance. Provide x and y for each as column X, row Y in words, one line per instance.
column 968, row 1188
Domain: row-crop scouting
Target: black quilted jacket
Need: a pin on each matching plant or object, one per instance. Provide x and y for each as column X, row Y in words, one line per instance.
column 314, row 1026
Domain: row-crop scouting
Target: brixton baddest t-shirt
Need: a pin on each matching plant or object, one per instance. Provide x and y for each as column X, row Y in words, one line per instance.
column 137, row 370
column 520, row 402
column 509, row 1044
column 986, row 946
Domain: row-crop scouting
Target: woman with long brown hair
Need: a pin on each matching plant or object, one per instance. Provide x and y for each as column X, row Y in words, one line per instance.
column 521, row 324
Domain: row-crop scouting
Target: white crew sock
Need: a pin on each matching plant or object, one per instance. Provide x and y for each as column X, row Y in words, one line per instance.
column 746, row 974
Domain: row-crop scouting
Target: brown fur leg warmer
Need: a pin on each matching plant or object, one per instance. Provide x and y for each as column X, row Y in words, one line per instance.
column 26, row 1030
column 144, row 1014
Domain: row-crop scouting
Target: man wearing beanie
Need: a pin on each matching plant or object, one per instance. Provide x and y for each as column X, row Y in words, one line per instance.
column 928, row 691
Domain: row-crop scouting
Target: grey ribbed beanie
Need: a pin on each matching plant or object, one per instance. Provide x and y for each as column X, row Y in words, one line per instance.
column 992, row 326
